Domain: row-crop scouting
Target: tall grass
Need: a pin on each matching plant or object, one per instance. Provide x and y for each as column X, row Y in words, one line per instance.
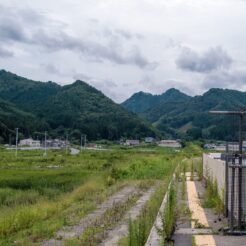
column 168, row 218
column 139, row 229
column 39, row 195
column 212, row 197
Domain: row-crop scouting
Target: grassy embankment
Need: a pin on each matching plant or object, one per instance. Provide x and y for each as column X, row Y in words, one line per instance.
column 39, row 195
column 140, row 228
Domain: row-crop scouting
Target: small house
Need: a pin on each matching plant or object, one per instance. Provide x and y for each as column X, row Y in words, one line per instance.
column 170, row 144
column 132, row 142
column 30, row 142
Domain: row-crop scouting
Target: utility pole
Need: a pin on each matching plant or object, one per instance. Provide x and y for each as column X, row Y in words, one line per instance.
column 241, row 115
column 45, row 144
column 85, row 142
column 66, row 143
column 16, row 142
column 81, row 142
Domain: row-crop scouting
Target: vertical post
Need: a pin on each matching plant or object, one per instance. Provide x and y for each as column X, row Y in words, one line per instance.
column 81, row 142
column 226, row 179
column 240, row 172
column 16, row 142
column 66, row 143
column 45, row 145
column 232, row 194
column 85, row 142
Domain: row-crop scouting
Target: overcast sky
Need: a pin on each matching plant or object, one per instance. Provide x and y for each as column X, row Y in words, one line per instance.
column 124, row 46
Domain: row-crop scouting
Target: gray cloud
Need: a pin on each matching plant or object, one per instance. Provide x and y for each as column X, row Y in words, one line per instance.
column 50, row 68
column 98, row 83
column 224, row 79
column 15, row 27
column 213, row 59
column 90, row 49
column 11, row 31
column 5, row 53
column 107, row 86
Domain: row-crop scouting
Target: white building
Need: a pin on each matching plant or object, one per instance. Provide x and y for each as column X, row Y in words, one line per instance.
column 170, row 144
column 30, row 142
column 132, row 142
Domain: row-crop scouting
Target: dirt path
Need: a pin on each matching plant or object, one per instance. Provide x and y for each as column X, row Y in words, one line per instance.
column 75, row 231
column 120, row 231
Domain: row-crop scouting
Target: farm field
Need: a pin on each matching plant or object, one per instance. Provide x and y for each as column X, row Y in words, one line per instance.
column 40, row 196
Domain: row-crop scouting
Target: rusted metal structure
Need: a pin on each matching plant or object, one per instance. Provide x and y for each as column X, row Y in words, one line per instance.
column 235, row 180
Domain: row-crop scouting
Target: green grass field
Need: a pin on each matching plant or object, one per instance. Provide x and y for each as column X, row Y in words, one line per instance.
column 39, row 195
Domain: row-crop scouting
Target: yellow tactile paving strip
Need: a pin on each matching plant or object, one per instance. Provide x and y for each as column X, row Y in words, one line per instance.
column 198, row 213
column 204, row 240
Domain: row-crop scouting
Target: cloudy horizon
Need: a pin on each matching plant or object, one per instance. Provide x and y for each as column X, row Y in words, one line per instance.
column 122, row 47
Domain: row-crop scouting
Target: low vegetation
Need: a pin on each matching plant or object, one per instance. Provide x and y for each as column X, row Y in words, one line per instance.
column 169, row 213
column 212, row 197
column 39, row 195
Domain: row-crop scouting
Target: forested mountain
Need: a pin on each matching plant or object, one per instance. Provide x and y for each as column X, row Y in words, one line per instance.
column 11, row 117
column 141, row 101
column 190, row 118
column 76, row 108
column 80, row 108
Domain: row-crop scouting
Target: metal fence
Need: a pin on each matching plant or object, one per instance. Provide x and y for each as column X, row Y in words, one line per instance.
column 235, row 194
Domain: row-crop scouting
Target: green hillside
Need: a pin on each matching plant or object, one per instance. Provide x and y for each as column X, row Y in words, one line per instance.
column 191, row 118
column 141, row 101
column 11, row 117
column 76, row 108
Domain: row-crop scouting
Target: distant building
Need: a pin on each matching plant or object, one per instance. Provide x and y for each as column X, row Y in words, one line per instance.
column 170, row 144
column 131, row 142
column 218, row 147
column 30, row 143
column 149, row 140
column 92, row 145
column 56, row 143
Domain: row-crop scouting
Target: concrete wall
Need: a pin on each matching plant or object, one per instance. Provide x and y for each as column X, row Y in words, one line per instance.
column 215, row 168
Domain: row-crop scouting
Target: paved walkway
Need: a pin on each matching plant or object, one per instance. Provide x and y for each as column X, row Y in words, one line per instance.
column 197, row 212
column 204, row 226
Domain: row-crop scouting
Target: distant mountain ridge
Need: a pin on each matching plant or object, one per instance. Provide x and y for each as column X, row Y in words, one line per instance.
column 141, row 101
column 75, row 108
column 189, row 116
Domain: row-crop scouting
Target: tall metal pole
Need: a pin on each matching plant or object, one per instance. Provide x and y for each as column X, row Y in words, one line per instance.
column 16, row 141
column 226, row 181
column 45, row 145
column 66, row 143
column 85, row 142
column 232, row 196
column 240, row 172
column 81, row 142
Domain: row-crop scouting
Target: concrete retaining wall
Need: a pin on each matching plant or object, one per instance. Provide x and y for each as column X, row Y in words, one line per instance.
column 214, row 168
